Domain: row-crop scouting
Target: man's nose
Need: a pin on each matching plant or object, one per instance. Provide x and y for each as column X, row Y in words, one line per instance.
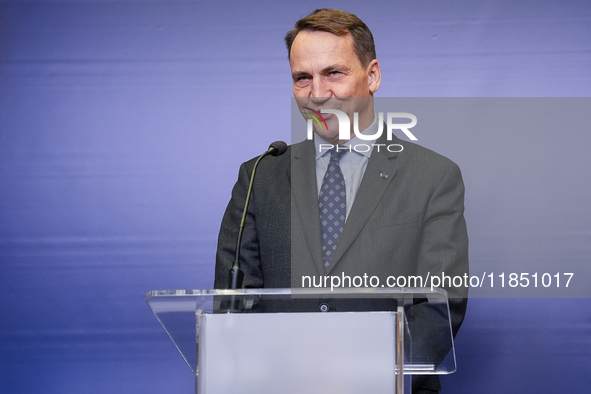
column 319, row 89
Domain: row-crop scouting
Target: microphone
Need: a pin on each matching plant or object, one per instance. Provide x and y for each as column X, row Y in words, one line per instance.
column 277, row 148
column 236, row 276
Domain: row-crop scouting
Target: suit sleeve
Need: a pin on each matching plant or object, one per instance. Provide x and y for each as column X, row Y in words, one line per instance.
column 250, row 258
column 444, row 244
column 443, row 251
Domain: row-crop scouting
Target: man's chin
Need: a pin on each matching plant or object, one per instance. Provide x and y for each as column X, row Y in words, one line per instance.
column 331, row 138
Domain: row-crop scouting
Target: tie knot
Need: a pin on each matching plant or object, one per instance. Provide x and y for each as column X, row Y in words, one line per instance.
column 336, row 154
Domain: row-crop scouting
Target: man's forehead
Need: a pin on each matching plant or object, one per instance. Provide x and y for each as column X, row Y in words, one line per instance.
column 321, row 46
column 319, row 36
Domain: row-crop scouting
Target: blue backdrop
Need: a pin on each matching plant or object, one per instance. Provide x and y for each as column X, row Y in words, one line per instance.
column 122, row 126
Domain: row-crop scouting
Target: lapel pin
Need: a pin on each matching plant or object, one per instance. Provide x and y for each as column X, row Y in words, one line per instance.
column 384, row 175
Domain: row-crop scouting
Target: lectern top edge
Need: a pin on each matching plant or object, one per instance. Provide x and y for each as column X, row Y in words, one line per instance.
column 393, row 292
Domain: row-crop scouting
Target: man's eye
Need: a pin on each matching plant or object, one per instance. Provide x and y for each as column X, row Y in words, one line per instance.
column 301, row 81
column 334, row 73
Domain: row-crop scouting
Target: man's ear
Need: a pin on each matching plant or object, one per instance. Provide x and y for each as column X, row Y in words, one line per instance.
column 374, row 75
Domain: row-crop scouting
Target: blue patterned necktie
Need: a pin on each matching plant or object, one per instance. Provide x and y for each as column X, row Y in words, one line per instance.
column 332, row 202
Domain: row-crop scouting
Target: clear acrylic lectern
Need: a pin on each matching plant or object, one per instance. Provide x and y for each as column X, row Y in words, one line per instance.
column 280, row 341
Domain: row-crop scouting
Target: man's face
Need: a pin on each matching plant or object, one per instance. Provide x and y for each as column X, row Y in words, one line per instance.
column 328, row 75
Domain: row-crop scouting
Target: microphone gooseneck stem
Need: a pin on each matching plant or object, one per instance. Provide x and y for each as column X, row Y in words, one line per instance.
column 236, row 274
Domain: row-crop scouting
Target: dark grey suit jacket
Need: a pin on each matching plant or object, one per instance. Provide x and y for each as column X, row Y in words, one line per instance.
column 408, row 223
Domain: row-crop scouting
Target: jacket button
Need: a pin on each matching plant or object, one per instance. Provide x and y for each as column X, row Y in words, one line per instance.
column 323, row 307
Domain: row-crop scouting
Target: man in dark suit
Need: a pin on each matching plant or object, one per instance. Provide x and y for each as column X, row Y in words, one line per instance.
column 398, row 212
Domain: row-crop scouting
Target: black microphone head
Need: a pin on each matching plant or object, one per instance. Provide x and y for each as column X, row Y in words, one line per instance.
column 278, row 148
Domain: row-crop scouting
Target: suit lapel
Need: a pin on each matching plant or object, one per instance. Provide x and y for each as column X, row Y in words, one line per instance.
column 305, row 198
column 370, row 193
